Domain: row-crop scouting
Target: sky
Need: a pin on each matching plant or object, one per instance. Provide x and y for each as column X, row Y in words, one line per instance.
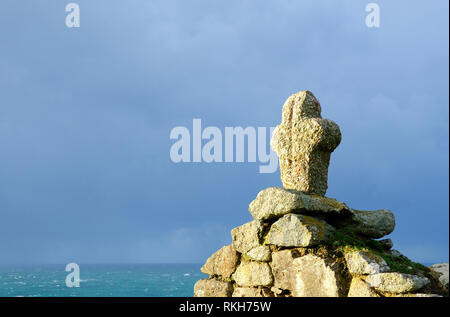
column 86, row 114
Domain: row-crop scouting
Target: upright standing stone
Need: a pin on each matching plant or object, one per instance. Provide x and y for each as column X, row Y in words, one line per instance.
column 304, row 142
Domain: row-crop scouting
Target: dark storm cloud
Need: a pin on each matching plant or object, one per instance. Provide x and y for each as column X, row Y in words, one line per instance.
column 85, row 116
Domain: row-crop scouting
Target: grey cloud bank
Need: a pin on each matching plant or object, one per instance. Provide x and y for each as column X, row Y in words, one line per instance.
column 85, row 115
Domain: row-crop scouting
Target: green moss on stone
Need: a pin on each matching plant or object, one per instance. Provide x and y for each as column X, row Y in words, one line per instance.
column 346, row 241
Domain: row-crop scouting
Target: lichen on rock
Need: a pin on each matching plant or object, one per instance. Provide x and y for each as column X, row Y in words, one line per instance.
column 222, row 263
column 299, row 231
column 396, row 282
column 252, row 292
column 359, row 288
column 252, row 273
column 363, row 262
column 247, row 236
column 212, row 288
column 260, row 253
column 315, row 278
column 304, row 142
column 275, row 202
column 373, row 224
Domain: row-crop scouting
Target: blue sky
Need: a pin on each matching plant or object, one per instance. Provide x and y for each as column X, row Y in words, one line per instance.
column 85, row 117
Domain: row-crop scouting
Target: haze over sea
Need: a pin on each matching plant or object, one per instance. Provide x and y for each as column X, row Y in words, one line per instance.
column 101, row 280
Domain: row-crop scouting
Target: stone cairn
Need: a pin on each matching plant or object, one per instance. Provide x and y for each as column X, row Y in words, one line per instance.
column 303, row 244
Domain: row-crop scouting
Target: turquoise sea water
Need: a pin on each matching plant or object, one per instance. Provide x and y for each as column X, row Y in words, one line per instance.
column 141, row 280
column 122, row 280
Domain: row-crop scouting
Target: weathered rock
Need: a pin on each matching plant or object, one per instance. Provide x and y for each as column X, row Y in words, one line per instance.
column 247, row 236
column 247, row 292
column 363, row 262
column 260, row 253
column 306, row 276
column 440, row 271
column 373, row 224
column 359, row 288
column 252, row 292
column 397, row 254
column 283, row 270
column 251, row 273
column 212, row 288
column 274, row 202
column 222, row 263
column 418, row 295
column 299, row 231
column 314, row 278
column 386, row 244
column 396, row 282
column 304, row 142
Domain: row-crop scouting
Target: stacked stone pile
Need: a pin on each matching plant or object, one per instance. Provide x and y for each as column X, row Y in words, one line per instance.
column 303, row 244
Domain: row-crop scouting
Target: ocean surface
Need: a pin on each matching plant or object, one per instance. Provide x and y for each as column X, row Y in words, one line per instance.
column 123, row 280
